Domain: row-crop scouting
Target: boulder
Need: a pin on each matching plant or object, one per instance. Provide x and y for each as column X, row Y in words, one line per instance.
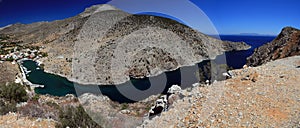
column 174, row 89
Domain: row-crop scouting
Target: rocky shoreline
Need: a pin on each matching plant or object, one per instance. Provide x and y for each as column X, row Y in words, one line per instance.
column 24, row 72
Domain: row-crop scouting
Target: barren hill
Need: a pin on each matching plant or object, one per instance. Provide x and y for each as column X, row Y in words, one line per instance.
column 106, row 45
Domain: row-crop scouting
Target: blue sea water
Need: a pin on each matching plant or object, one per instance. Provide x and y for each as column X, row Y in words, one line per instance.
column 237, row 59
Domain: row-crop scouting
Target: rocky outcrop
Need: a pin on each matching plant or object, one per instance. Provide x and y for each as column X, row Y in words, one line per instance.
column 174, row 89
column 165, row 101
column 161, row 105
column 286, row 44
column 174, row 94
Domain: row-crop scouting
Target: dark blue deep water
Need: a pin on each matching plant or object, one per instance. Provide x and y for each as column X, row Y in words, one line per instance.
column 60, row 86
column 237, row 59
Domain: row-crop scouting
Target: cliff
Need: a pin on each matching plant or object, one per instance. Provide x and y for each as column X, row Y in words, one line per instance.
column 286, row 44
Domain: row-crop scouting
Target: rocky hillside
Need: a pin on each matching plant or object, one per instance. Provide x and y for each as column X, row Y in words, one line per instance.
column 83, row 48
column 286, row 44
column 8, row 72
column 263, row 96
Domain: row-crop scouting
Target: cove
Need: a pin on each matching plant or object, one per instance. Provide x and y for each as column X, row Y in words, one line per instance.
column 59, row 86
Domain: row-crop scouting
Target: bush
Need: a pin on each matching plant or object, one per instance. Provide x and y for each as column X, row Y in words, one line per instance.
column 44, row 54
column 7, row 107
column 124, row 106
column 75, row 117
column 13, row 93
column 35, row 98
column 9, row 59
column 33, row 109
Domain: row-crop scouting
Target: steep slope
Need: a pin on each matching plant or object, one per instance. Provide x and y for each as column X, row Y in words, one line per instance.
column 286, row 44
column 271, row 101
column 139, row 46
column 84, row 45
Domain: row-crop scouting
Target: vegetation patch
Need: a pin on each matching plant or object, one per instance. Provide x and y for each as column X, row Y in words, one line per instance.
column 75, row 117
column 13, row 93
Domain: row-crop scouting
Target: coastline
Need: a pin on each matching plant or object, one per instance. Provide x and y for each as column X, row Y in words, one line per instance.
column 75, row 81
column 119, row 81
column 24, row 73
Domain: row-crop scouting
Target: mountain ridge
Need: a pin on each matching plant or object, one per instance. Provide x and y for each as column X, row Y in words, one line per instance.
column 95, row 33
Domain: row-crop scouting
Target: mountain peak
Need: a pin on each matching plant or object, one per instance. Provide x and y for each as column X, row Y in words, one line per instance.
column 97, row 8
column 288, row 30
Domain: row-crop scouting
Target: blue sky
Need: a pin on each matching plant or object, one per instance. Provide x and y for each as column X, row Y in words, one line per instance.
column 227, row 16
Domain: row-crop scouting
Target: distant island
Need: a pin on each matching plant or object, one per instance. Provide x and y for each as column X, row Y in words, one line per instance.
column 255, row 34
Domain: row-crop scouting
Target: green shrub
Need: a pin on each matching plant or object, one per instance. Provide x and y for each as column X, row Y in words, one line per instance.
column 44, row 54
column 75, row 117
column 9, row 59
column 124, row 106
column 35, row 98
column 13, row 93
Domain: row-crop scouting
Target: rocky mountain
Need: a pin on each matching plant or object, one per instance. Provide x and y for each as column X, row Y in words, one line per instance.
column 84, row 48
column 286, row 44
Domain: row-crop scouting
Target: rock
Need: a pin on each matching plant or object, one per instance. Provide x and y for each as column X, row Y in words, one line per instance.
column 215, row 81
column 252, row 76
column 227, row 75
column 174, row 89
column 261, row 93
column 125, row 111
column 161, row 105
column 240, row 114
column 172, row 98
column 196, row 84
column 246, row 78
column 175, row 93
column 207, row 82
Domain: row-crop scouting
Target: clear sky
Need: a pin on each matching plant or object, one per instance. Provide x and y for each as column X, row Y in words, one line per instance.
column 228, row 16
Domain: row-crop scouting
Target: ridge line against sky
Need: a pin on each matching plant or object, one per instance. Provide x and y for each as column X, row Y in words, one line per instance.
column 230, row 17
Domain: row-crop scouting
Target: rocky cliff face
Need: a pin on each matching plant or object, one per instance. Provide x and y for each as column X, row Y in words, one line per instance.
column 286, row 44
column 83, row 48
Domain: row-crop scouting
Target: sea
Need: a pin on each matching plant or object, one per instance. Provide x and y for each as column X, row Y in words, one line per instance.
column 237, row 59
